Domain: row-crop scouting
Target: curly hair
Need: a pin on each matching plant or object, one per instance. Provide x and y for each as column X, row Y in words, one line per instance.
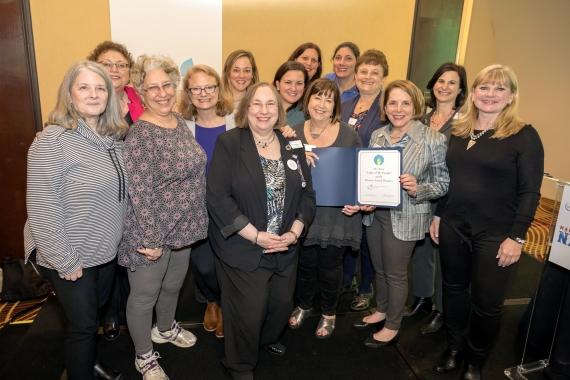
column 105, row 46
column 373, row 57
column 146, row 63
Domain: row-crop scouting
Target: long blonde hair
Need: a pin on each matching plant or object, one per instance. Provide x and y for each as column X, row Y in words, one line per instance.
column 225, row 105
column 111, row 121
column 508, row 122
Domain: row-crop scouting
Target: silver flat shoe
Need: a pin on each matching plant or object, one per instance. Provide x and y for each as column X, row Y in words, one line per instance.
column 328, row 325
column 299, row 315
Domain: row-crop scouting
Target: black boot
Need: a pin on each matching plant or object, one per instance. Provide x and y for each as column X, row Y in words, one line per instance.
column 448, row 361
column 434, row 324
column 101, row 371
column 111, row 331
column 420, row 304
column 471, row 372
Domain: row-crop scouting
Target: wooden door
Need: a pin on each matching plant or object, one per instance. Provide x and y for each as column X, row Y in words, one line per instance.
column 20, row 118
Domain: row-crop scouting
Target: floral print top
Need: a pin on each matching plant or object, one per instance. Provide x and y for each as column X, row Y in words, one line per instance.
column 167, row 191
column 274, row 172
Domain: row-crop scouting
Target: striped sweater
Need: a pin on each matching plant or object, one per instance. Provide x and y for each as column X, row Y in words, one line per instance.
column 75, row 198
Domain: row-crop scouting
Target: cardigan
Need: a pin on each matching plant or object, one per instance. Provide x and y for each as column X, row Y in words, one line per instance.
column 76, row 198
column 424, row 158
column 230, row 123
column 136, row 107
column 236, row 196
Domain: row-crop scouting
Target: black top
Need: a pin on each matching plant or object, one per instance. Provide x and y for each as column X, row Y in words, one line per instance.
column 237, row 195
column 495, row 185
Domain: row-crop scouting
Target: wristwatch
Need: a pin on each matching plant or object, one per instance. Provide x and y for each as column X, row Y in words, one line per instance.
column 518, row 240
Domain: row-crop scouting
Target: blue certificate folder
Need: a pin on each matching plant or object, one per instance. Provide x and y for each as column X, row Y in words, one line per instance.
column 335, row 176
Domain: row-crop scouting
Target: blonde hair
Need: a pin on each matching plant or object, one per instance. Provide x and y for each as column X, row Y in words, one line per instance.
column 146, row 63
column 508, row 122
column 111, row 121
column 225, row 105
column 241, row 119
column 230, row 61
column 409, row 88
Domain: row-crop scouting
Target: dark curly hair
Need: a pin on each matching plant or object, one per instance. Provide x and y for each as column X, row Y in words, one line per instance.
column 114, row 46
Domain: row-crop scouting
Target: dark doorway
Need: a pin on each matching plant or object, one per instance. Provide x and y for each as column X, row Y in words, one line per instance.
column 20, row 118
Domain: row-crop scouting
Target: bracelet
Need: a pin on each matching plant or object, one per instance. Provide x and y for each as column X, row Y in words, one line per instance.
column 296, row 237
column 254, row 242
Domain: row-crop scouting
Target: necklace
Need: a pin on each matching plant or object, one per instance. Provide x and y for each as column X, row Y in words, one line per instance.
column 265, row 144
column 437, row 125
column 315, row 136
column 474, row 136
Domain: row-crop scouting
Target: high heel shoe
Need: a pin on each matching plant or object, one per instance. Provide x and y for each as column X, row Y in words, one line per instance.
column 371, row 342
column 328, row 325
column 299, row 315
column 421, row 304
column 360, row 324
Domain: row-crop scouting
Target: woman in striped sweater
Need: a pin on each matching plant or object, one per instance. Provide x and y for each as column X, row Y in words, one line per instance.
column 76, row 203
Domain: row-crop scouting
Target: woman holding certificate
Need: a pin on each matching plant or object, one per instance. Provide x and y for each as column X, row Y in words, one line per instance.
column 392, row 233
column 496, row 162
column 334, row 229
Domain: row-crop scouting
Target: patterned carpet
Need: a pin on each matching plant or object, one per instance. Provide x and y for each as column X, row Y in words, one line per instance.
column 537, row 237
column 9, row 309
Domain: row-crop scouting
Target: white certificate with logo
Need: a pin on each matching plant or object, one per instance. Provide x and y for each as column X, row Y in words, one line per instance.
column 378, row 182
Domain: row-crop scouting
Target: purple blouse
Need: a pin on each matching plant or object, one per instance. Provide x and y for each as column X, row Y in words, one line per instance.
column 167, row 189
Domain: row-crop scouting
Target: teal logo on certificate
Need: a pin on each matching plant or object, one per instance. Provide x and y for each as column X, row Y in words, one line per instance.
column 379, row 160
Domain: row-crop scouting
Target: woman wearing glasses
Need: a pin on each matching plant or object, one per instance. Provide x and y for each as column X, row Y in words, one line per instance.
column 261, row 199
column 117, row 61
column 309, row 55
column 165, row 167
column 208, row 113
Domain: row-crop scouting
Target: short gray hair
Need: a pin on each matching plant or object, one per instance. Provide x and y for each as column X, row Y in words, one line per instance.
column 146, row 63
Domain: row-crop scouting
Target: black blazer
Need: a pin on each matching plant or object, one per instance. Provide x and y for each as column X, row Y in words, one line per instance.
column 371, row 121
column 236, row 195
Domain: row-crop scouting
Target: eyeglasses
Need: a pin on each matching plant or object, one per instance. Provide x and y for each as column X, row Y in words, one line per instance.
column 257, row 106
column 155, row 89
column 108, row 65
column 198, row 90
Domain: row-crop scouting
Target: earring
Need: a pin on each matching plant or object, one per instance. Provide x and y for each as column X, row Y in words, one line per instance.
column 510, row 103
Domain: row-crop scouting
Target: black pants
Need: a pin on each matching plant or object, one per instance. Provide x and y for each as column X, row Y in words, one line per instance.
column 326, row 263
column 255, row 308
column 205, row 270
column 468, row 261
column 119, row 296
column 81, row 301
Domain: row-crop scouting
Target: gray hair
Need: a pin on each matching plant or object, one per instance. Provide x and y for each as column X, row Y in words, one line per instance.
column 111, row 121
column 146, row 63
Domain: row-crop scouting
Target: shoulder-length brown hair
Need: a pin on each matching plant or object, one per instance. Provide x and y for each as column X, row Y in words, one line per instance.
column 230, row 61
column 449, row 66
column 225, row 105
column 284, row 69
column 508, row 122
column 111, row 121
column 409, row 88
column 241, row 119
column 301, row 49
column 328, row 88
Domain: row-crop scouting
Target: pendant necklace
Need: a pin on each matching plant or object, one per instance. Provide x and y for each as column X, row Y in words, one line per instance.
column 265, row 144
column 315, row 136
column 474, row 136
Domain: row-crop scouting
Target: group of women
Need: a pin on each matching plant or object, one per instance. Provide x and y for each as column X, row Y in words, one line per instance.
column 224, row 180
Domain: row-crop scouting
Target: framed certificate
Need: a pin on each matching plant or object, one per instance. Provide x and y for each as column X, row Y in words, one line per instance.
column 363, row 176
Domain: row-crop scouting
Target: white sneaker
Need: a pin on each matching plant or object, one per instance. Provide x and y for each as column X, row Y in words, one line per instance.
column 177, row 336
column 149, row 367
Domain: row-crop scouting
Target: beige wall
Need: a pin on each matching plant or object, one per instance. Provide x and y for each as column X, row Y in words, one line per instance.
column 64, row 32
column 272, row 29
column 532, row 37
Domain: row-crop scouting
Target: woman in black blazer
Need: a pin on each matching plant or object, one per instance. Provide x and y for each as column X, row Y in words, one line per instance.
column 260, row 198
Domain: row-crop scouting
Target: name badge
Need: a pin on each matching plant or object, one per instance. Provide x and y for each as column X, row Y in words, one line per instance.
column 292, row 164
column 296, row 144
column 352, row 121
column 309, row 148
